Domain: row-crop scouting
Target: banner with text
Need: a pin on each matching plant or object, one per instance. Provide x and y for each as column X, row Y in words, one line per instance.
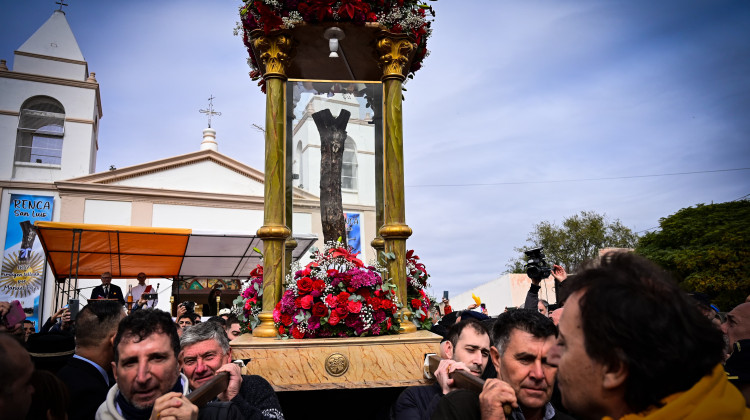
column 353, row 231
column 23, row 257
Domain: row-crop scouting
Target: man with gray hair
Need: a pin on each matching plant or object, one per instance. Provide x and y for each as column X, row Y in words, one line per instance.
column 205, row 352
column 525, row 379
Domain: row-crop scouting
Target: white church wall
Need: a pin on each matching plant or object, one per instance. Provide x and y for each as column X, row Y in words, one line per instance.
column 207, row 218
column 52, row 68
column 107, row 212
column 205, row 176
column 77, row 142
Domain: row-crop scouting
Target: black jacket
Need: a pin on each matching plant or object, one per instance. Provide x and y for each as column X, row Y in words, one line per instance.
column 257, row 400
column 417, row 402
column 87, row 387
column 464, row 405
column 114, row 293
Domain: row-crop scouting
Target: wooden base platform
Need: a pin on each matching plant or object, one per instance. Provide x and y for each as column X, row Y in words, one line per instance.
column 337, row 363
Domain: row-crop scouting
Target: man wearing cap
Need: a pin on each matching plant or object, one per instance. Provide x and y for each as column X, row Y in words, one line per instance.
column 107, row 290
column 88, row 374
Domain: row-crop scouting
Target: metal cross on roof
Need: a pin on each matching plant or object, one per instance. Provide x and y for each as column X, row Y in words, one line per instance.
column 61, row 3
column 210, row 111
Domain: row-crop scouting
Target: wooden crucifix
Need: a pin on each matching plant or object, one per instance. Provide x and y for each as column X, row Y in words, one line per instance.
column 332, row 138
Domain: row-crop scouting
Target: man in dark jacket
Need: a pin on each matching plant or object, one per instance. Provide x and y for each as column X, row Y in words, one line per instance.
column 525, row 379
column 468, row 349
column 88, row 374
column 107, row 290
column 206, row 351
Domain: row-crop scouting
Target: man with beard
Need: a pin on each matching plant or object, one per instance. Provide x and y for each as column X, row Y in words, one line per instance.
column 525, row 379
column 147, row 372
column 467, row 348
column 205, row 352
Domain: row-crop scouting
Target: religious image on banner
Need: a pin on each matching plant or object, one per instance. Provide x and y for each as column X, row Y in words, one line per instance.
column 23, row 257
column 353, row 231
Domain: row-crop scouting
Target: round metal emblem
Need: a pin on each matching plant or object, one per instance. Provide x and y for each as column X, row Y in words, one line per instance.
column 337, row 364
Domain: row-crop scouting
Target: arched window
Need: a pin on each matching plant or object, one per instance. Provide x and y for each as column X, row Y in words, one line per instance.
column 349, row 166
column 41, row 127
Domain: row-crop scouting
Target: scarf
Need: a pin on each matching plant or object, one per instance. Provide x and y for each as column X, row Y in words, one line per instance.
column 131, row 412
column 713, row 397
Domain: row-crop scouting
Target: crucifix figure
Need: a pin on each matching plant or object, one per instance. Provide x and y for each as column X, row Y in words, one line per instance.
column 210, row 111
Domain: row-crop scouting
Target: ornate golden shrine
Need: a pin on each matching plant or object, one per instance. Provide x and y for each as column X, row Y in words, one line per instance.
column 334, row 363
column 302, row 53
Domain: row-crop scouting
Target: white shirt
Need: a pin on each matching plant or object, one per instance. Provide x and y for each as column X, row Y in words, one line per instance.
column 138, row 290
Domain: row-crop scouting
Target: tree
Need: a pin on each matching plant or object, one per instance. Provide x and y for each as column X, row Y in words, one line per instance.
column 707, row 248
column 580, row 238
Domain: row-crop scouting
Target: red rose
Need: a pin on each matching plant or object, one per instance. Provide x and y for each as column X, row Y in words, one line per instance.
column 334, row 318
column 342, row 298
column 298, row 302
column 281, row 330
column 304, row 285
column 374, row 302
column 354, row 306
column 286, row 319
column 342, row 311
column 319, row 309
column 257, row 271
column 416, row 303
column 297, row 333
column 365, row 293
column 331, row 301
column 332, row 272
column 318, row 285
column 306, row 301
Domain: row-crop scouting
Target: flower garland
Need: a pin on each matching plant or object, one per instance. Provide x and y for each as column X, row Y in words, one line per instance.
column 410, row 17
column 419, row 302
column 336, row 295
column 251, row 301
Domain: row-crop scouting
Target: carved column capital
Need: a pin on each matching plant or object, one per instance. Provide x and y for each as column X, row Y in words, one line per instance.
column 275, row 51
column 394, row 54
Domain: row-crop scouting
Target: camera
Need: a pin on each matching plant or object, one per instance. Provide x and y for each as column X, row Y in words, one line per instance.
column 189, row 306
column 536, row 267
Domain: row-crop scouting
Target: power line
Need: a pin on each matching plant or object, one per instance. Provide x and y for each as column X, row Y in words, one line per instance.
column 576, row 180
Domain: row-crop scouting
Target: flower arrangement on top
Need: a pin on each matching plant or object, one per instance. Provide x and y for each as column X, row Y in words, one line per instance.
column 419, row 302
column 410, row 17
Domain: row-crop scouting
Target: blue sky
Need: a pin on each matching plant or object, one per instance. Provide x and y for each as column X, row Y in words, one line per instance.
column 519, row 106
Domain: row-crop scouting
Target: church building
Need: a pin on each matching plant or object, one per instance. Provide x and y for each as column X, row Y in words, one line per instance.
column 50, row 109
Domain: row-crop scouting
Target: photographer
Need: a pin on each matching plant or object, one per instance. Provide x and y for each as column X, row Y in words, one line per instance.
column 538, row 269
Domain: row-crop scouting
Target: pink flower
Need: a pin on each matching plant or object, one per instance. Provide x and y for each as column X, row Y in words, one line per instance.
column 306, row 302
column 354, row 306
column 331, row 301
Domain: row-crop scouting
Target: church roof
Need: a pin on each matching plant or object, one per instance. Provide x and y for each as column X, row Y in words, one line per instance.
column 54, row 38
column 120, row 176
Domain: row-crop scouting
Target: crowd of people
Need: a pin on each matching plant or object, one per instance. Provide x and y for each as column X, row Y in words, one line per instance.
column 626, row 343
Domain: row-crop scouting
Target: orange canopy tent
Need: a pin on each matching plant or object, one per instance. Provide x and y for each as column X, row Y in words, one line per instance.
column 87, row 250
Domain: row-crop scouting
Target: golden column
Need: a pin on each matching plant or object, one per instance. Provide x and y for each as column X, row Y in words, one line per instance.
column 394, row 56
column 273, row 49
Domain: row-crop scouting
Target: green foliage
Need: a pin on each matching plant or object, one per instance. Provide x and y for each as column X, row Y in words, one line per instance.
column 707, row 247
column 580, row 238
